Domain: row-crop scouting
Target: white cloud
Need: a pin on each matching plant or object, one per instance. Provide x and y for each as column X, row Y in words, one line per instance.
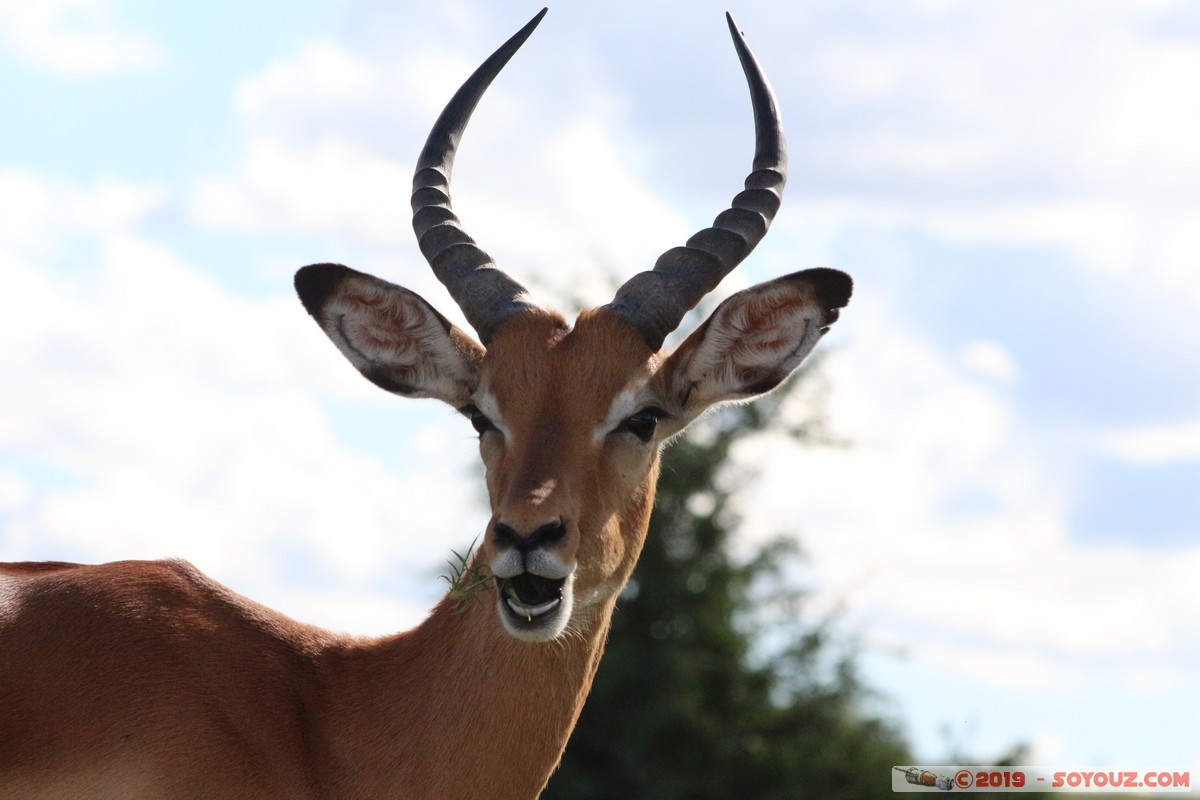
column 74, row 38
column 1103, row 99
column 323, row 74
column 1038, row 125
column 553, row 194
column 991, row 359
column 14, row 491
column 579, row 214
column 311, row 158
column 945, row 528
column 1154, row 445
column 323, row 83
column 40, row 213
column 331, row 186
column 1017, row 669
column 186, row 422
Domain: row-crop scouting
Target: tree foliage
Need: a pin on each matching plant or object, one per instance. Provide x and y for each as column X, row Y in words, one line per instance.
column 714, row 683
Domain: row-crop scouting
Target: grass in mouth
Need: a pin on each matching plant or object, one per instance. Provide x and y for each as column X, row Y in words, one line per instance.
column 466, row 579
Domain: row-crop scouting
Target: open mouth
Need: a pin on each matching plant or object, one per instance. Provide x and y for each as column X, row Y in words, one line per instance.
column 527, row 597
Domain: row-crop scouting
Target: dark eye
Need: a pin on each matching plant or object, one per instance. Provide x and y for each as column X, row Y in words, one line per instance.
column 479, row 421
column 643, row 423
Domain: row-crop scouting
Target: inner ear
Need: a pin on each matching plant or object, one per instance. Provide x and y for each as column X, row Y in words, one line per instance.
column 754, row 340
column 392, row 336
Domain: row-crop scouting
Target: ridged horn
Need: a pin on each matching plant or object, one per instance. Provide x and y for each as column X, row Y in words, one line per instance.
column 484, row 292
column 655, row 302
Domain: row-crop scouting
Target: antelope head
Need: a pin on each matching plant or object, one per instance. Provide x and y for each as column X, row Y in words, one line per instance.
column 571, row 417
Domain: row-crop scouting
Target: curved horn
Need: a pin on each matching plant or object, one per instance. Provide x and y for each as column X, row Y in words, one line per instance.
column 484, row 292
column 654, row 302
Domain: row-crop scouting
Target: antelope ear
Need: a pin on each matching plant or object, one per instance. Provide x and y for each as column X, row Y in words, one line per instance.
column 391, row 335
column 753, row 340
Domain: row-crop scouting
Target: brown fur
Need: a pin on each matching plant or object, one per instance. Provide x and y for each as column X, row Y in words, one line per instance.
column 149, row 680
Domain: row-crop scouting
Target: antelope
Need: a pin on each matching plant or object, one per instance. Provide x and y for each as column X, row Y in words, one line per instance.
column 150, row 680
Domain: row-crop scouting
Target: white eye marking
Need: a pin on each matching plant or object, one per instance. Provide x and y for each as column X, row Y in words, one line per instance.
column 619, row 410
column 486, row 403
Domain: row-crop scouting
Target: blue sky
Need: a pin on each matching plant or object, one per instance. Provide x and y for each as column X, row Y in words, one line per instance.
column 1015, row 533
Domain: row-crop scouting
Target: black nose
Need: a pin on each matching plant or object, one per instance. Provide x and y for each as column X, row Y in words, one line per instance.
column 551, row 532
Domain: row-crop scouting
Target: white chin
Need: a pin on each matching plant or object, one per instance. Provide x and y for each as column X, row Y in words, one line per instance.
column 540, row 623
